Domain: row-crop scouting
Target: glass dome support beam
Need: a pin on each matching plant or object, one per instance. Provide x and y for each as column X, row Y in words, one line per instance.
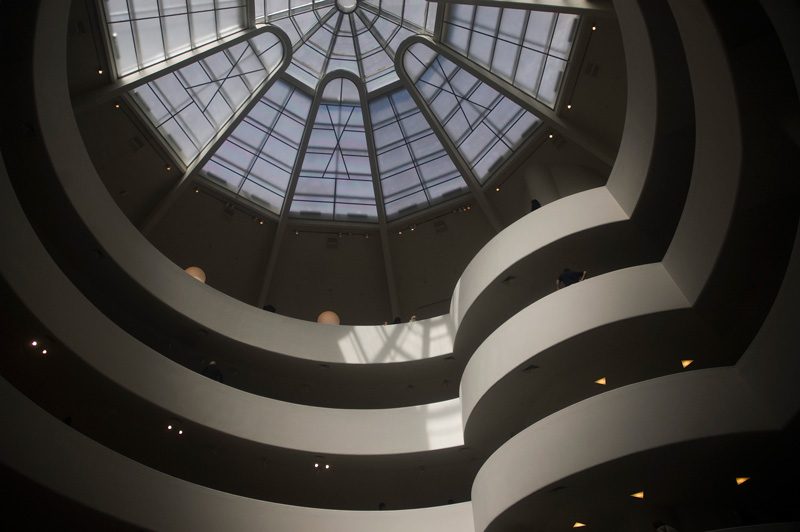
column 208, row 151
column 283, row 220
column 461, row 164
column 596, row 8
column 250, row 13
column 550, row 119
column 379, row 201
column 127, row 83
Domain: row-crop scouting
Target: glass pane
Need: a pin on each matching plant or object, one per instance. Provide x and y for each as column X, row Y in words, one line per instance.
column 146, row 32
column 195, row 102
column 514, row 44
column 476, row 117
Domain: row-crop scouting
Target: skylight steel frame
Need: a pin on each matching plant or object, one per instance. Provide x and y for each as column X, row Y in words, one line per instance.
column 106, row 24
column 527, row 103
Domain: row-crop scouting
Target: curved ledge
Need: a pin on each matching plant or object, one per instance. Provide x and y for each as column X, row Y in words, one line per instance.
column 36, row 279
column 593, row 305
column 90, row 474
column 621, row 423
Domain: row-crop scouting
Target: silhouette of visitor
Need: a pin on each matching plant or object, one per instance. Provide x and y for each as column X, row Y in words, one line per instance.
column 213, row 372
column 569, row 277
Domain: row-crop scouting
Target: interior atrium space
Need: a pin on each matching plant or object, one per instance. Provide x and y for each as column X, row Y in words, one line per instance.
column 429, row 265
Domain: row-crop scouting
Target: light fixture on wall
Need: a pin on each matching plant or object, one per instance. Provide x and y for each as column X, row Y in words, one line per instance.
column 197, row 273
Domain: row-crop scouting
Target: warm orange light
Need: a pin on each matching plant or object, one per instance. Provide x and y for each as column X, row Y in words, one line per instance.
column 578, row 525
column 116, row 105
column 741, row 480
column 601, row 381
column 99, row 71
column 685, row 363
column 594, row 28
column 569, row 106
column 638, row 495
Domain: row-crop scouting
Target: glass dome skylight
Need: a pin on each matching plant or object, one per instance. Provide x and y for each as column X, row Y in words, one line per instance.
column 230, row 85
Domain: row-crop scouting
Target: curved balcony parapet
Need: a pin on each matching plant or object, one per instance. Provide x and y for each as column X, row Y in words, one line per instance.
column 621, row 423
column 104, row 481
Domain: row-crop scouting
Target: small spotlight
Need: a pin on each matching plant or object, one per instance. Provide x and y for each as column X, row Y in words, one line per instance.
column 316, row 465
column 169, row 427
column 169, row 168
column 578, row 525
column 601, row 381
column 44, row 351
column 180, row 432
column 399, row 232
column 34, row 343
column 685, row 363
column 196, row 190
column 297, row 232
column 497, row 189
column 327, row 466
column 550, row 136
column 413, row 227
column 569, row 106
column 741, row 480
column 116, row 105
column 366, row 236
column 638, row 495
column 340, row 235
column 261, row 222
column 99, row 70
column 594, row 28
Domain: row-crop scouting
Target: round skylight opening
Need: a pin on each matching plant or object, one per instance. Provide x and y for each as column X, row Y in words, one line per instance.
column 346, row 6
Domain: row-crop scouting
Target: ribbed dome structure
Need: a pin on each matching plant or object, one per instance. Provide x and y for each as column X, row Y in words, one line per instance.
column 660, row 392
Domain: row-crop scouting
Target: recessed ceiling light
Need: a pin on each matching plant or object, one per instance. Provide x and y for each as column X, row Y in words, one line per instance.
column 685, row 363
column 569, row 106
column 34, row 343
column 99, row 71
column 550, row 136
column 316, row 465
column 638, row 495
column 601, row 381
column 116, row 105
column 741, row 480
column 578, row 525
column 44, row 351
column 180, row 432
column 594, row 28
column 169, row 427
column 327, row 466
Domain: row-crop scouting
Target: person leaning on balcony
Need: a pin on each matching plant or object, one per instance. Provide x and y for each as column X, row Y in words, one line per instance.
column 569, row 277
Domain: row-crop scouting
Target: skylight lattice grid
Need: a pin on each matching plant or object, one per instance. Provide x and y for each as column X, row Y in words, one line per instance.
column 414, row 168
column 529, row 49
column 191, row 105
column 147, row 32
column 364, row 41
column 484, row 125
column 257, row 159
column 335, row 179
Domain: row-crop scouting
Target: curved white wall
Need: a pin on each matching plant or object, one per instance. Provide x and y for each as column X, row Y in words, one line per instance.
column 92, row 475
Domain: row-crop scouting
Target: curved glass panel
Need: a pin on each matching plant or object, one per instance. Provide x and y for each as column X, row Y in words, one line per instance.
column 413, row 166
column 335, row 180
column 484, row 125
column 191, row 105
column 357, row 36
column 256, row 160
column 529, row 49
column 146, row 32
